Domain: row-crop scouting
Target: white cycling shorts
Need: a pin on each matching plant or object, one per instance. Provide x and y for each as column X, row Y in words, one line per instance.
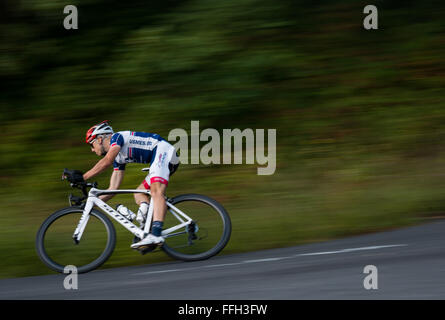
column 165, row 163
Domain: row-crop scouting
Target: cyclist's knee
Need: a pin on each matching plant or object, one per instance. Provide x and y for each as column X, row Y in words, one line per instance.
column 157, row 189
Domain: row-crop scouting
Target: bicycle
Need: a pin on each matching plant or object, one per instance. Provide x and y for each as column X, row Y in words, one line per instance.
column 199, row 234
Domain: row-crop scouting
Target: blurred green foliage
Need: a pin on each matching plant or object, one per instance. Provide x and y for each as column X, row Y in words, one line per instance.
column 359, row 114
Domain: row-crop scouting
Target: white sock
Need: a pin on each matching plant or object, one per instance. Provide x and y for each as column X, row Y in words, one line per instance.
column 142, row 212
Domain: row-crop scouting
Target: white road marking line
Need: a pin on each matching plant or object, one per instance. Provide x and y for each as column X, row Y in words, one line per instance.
column 221, row 265
column 277, row 258
column 265, row 260
column 350, row 250
column 160, row 271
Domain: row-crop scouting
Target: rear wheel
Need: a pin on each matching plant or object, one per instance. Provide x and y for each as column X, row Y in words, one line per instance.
column 57, row 249
column 205, row 237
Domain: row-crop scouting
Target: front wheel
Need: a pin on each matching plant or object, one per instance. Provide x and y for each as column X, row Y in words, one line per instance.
column 205, row 237
column 57, row 249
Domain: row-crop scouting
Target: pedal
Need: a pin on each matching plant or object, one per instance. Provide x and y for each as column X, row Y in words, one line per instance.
column 147, row 248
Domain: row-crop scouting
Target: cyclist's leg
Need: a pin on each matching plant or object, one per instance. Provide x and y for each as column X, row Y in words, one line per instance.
column 140, row 197
column 143, row 201
column 157, row 190
column 157, row 182
column 158, row 200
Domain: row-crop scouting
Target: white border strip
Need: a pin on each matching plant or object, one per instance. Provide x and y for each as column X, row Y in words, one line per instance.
column 278, row 258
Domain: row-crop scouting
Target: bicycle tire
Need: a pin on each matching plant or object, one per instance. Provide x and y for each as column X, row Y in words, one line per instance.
column 48, row 261
column 225, row 237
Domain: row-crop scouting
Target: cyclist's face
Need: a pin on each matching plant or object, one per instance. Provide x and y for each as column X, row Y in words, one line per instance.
column 97, row 147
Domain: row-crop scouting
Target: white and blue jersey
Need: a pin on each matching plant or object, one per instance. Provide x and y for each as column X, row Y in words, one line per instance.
column 143, row 147
column 135, row 146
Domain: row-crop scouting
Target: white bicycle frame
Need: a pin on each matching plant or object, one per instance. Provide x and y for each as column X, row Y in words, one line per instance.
column 93, row 200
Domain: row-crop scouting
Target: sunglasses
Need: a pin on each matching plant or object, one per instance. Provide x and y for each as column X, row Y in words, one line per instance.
column 92, row 142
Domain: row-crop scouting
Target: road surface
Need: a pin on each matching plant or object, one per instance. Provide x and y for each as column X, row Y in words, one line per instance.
column 409, row 262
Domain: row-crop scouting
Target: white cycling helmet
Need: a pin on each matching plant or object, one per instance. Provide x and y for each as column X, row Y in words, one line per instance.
column 94, row 131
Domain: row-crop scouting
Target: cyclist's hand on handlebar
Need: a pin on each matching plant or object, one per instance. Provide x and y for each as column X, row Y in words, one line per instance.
column 77, row 177
column 73, row 176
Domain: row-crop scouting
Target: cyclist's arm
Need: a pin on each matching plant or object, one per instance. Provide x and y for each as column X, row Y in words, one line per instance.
column 103, row 163
column 115, row 182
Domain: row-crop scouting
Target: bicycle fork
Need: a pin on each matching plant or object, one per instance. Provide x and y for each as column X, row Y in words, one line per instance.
column 83, row 222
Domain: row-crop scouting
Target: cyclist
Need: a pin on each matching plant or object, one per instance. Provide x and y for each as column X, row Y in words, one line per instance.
column 120, row 148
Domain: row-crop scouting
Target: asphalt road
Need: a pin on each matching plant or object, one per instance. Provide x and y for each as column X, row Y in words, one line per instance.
column 410, row 264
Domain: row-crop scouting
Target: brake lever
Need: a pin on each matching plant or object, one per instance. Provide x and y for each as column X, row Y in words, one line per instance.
column 64, row 174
